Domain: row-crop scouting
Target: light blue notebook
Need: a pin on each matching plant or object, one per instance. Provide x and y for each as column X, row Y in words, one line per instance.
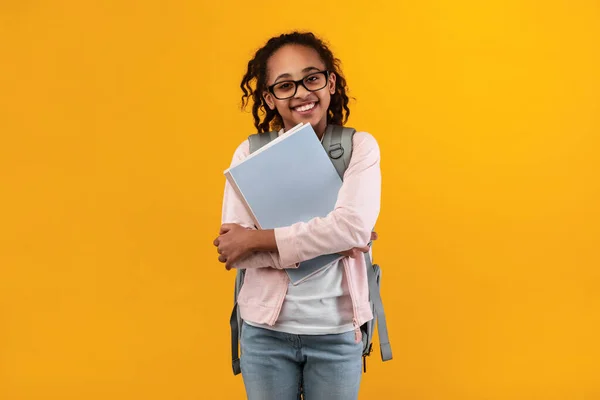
column 289, row 180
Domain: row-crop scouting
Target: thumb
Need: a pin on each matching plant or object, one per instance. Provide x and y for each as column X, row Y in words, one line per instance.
column 354, row 253
column 363, row 249
column 225, row 228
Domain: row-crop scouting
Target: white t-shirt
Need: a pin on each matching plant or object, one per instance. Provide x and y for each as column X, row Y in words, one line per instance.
column 320, row 305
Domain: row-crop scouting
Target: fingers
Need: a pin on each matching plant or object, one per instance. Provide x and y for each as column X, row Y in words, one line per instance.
column 355, row 252
column 374, row 235
column 352, row 253
column 223, row 258
column 359, row 251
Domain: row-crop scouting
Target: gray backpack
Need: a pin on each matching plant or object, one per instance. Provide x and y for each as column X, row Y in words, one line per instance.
column 337, row 141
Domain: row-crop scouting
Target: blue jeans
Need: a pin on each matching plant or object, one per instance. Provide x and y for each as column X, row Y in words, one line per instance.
column 276, row 365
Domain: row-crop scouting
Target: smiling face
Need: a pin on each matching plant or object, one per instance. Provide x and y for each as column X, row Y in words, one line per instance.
column 292, row 63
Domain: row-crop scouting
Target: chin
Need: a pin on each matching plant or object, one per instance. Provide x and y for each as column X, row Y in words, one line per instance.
column 313, row 119
column 308, row 119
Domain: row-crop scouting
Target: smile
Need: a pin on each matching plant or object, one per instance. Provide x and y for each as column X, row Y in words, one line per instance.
column 305, row 107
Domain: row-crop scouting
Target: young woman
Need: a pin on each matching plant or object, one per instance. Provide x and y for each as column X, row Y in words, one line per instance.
column 305, row 336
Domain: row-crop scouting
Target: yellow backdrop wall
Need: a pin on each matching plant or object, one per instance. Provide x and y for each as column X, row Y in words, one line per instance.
column 117, row 119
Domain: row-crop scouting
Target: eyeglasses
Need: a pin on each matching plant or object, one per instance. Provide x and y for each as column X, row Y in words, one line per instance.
column 287, row 89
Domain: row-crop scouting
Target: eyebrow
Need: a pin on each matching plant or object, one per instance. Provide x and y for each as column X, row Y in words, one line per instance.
column 286, row 75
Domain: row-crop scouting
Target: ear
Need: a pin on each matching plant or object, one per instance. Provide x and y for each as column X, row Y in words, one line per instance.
column 332, row 80
column 268, row 97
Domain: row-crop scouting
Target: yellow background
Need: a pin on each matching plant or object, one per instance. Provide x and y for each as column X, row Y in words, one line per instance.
column 117, row 119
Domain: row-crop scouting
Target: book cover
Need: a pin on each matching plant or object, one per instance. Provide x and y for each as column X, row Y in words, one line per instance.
column 289, row 180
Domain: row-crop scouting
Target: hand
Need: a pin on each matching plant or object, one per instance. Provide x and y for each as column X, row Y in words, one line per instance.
column 232, row 244
column 357, row 251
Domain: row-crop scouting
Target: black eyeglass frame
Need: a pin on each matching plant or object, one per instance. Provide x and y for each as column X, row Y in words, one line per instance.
column 271, row 88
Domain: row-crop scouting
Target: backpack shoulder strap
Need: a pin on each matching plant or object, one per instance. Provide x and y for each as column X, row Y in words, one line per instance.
column 235, row 323
column 258, row 140
column 375, row 297
column 337, row 142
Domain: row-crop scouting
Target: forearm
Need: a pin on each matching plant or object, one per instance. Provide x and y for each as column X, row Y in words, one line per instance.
column 265, row 254
column 335, row 233
column 249, row 248
column 263, row 240
column 263, row 259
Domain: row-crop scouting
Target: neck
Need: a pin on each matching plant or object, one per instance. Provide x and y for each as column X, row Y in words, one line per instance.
column 320, row 128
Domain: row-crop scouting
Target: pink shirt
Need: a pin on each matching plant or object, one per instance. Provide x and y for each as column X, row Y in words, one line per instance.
column 348, row 225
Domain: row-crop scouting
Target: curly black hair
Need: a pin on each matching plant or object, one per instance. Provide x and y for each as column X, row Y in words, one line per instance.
column 256, row 75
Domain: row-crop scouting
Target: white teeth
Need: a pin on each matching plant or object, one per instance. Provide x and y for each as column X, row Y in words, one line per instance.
column 305, row 107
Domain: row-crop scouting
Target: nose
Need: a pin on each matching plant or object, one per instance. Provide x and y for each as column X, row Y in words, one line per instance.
column 301, row 91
